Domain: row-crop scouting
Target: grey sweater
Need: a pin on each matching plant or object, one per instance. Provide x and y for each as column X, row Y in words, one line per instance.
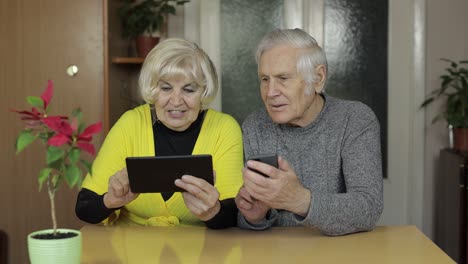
column 337, row 157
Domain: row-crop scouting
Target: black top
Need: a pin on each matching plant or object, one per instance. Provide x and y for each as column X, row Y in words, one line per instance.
column 90, row 206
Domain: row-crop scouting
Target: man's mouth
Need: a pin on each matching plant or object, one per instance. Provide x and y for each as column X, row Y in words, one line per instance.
column 277, row 107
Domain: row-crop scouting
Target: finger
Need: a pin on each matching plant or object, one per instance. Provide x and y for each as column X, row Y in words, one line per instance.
column 120, row 182
column 243, row 204
column 284, row 164
column 254, row 182
column 199, row 182
column 189, row 201
column 122, row 186
column 244, row 194
column 214, row 177
column 193, row 189
column 252, row 176
column 114, row 187
column 195, row 205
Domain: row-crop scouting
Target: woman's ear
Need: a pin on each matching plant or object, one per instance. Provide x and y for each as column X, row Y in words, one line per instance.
column 321, row 76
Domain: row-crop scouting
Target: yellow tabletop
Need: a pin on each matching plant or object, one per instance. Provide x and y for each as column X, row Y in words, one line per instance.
column 386, row 244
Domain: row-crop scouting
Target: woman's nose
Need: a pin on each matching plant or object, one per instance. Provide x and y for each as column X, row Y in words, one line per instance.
column 176, row 98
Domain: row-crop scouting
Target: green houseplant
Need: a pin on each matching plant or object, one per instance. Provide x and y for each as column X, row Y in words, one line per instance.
column 142, row 19
column 454, row 87
column 65, row 140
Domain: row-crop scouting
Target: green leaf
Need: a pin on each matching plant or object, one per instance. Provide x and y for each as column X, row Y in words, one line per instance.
column 24, row 139
column 54, row 154
column 426, row 102
column 167, row 9
column 77, row 113
column 72, row 175
column 88, row 165
column 81, row 127
column 74, row 155
column 35, row 101
column 43, row 176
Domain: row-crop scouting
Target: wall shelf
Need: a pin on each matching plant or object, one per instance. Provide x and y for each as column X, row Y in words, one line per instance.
column 127, row 60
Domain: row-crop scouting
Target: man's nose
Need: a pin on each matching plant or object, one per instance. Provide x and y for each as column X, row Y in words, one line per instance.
column 272, row 89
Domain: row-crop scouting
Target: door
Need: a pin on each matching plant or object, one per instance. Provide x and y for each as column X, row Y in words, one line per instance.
column 39, row 40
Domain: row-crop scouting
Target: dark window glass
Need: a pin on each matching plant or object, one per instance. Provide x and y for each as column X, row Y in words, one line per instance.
column 243, row 24
column 355, row 41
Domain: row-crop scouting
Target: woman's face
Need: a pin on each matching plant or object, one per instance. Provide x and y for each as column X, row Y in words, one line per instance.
column 178, row 102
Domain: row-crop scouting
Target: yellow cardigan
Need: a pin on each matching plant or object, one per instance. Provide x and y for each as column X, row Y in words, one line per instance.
column 132, row 135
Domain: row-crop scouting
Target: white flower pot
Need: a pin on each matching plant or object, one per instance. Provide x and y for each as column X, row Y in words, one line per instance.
column 50, row 251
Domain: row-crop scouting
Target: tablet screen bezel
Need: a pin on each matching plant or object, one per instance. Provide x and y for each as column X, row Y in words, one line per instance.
column 155, row 174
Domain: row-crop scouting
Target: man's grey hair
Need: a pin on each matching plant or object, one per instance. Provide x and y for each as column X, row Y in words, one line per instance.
column 312, row 56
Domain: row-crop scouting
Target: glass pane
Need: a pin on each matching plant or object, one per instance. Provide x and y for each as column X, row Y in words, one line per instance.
column 243, row 24
column 355, row 41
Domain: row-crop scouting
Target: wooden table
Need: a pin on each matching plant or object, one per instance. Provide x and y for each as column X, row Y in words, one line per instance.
column 386, row 244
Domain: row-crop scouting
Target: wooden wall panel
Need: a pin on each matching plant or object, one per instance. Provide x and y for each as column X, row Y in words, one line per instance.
column 39, row 40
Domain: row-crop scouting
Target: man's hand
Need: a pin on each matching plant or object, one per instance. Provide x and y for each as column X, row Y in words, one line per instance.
column 201, row 198
column 282, row 190
column 253, row 210
column 119, row 193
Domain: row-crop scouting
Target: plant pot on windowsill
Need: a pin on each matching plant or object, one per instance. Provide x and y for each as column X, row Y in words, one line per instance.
column 460, row 139
column 144, row 44
column 65, row 247
column 146, row 17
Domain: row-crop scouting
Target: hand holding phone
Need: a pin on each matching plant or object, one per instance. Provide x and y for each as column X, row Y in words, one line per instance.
column 270, row 159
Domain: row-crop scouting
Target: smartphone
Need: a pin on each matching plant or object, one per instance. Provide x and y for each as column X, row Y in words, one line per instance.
column 270, row 159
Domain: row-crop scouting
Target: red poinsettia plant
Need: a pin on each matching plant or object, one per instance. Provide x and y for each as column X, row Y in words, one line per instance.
column 65, row 138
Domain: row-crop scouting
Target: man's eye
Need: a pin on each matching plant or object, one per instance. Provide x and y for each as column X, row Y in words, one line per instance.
column 264, row 79
column 283, row 78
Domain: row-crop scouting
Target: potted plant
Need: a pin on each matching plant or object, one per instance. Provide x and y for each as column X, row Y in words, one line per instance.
column 65, row 140
column 142, row 19
column 454, row 88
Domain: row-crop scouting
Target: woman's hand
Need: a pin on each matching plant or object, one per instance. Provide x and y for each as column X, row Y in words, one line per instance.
column 201, row 198
column 119, row 193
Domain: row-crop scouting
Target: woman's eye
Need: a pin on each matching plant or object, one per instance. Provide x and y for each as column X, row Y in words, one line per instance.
column 189, row 89
column 166, row 88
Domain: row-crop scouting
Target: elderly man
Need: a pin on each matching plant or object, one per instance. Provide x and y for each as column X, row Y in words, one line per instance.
column 329, row 173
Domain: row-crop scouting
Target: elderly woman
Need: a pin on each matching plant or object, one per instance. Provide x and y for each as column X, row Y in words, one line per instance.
column 177, row 81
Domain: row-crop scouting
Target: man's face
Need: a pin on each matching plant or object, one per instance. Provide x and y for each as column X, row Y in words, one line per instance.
column 284, row 92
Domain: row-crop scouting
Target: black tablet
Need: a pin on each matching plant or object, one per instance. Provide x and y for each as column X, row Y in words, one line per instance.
column 157, row 174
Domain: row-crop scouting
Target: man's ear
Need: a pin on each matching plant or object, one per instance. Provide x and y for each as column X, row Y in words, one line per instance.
column 321, row 76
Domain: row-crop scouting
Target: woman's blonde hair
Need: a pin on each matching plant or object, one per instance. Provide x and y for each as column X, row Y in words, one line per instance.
column 176, row 57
